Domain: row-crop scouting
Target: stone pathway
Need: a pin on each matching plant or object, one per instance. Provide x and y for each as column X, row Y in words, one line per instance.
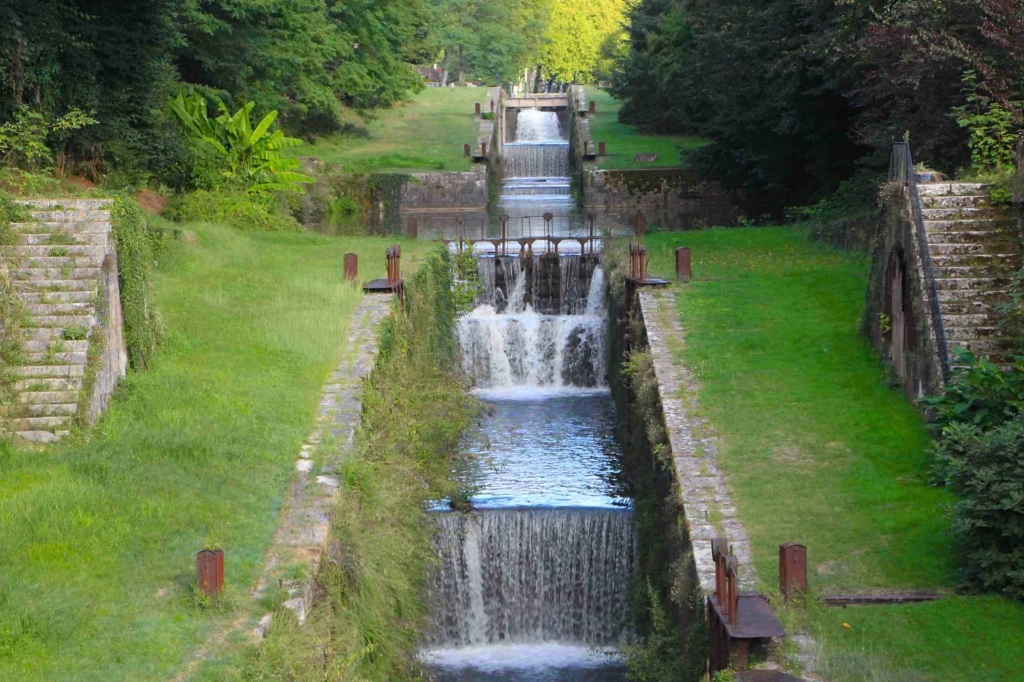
column 710, row 512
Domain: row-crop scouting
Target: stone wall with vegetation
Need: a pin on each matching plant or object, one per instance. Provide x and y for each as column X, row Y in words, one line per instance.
column 660, row 188
column 672, row 640
column 894, row 247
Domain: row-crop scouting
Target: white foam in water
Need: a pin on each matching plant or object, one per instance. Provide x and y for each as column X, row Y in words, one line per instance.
column 534, row 125
column 499, row 658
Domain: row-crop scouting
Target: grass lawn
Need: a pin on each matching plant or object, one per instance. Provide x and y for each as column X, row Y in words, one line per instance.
column 624, row 141
column 818, row 447
column 99, row 533
column 425, row 133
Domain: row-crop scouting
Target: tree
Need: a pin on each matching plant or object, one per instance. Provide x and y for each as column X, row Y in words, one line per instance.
column 577, row 34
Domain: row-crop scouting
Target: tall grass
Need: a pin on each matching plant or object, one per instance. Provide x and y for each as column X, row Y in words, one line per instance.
column 416, row 405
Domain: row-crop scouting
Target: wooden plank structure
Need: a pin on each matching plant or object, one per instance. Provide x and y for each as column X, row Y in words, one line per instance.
column 735, row 619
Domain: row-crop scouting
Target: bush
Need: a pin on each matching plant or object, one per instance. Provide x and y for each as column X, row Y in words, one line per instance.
column 137, row 243
column 979, row 393
column 247, row 212
column 985, row 468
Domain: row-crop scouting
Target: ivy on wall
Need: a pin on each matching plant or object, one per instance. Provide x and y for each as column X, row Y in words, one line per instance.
column 138, row 244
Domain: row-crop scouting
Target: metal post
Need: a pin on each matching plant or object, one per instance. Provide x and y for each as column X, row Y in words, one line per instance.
column 641, row 226
column 592, row 108
column 683, row 272
column 504, row 233
column 413, row 230
column 466, row 150
column 792, row 569
column 590, row 221
column 732, row 567
column 459, row 230
column 483, row 149
column 210, row 571
column 601, row 149
column 476, row 108
column 351, row 267
column 547, row 231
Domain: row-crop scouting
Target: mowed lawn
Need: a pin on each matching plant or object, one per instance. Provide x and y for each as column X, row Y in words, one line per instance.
column 624, row 142
column 819, row 448
column 98, row 535
column 424, row 133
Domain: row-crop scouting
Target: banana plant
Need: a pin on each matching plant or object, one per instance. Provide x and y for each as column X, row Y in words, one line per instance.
column 251, row 156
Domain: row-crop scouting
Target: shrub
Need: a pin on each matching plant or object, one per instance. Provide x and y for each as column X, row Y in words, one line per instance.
column 985, row 468
column 979, row 393
column 23, row 140
column 137, row 243
column 248, row 212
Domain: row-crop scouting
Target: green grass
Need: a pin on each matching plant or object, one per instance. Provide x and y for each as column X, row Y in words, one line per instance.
column 425, row 133
column 819, row 448
column 99, row 534
column 625, row 141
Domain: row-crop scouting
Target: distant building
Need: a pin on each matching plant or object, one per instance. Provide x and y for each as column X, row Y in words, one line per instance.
column 433, row 76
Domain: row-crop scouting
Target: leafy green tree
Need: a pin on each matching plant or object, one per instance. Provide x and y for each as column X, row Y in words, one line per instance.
column 577, row 38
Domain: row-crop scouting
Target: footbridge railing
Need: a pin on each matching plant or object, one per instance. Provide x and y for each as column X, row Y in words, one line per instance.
column 901, row 169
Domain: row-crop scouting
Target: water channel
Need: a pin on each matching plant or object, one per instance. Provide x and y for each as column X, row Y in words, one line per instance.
column 534, row 583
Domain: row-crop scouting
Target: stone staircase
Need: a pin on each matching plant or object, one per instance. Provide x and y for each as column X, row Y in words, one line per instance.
column 975, row 250
column 66, row 260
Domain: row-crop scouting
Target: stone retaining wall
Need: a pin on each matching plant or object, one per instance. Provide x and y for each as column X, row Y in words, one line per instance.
column 448, row 191
column 661, row 188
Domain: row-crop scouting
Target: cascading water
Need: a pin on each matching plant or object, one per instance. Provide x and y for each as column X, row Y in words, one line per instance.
column 534, row 582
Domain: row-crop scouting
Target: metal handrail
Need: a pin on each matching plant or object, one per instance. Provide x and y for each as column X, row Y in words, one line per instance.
column 901, row 169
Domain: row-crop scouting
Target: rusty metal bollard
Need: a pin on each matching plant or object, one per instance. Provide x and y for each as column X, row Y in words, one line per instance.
column 492, row 106
column 643, row 263
column 591, row 217
column 476, row 108
column 641, row 226
column 548, row 217
column 351, row 267
column 683, row 272
column 483, row 149
column 592, row 107
column 210, row 571
column 792, row 569
column 413, row 228
column 601, row 149
column 634, row 251
column 586, row 148
column 466, row 150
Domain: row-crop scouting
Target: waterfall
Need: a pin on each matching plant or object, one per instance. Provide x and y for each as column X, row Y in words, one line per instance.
column 521, row 347
column 533, row 575
column 536, row 160
column 534, row 125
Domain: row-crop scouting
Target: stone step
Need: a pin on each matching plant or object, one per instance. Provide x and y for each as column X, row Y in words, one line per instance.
column 56, row 226
column 985, row 295
column 70, row 214
column 59, row 262
column 956, row 334
column 938, row 250
column 962, row 272
column 987, row 347
column 39, row 423
column 41, row 436
column 70, row 273
column 941, row 188
column 51, row 239
column 946, row 283
column 969, row 237
column 950, row 320
column 49, row 384
column 985, row 260
column 956, row 213
column 28, row 251
column 68, row 358
column 50, row 371
column 53, row 297
column 64, row 321
column 62, row 204
column 969, row 307
column 49, row 309
column 38, row 398
column 62, row 346
column 983, row 226
column 955, row 201
column 49, row 286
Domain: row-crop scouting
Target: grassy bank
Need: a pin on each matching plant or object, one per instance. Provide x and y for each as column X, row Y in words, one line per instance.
column 819, row 448
column 367, row 622
column 99, row 533
column 624, row 141
column 425, row 133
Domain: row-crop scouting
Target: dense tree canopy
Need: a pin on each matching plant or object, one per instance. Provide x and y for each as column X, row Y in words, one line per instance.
column 796, row 97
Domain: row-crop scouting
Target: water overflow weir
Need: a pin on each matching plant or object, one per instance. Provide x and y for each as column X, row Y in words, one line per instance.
column 534, row 583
